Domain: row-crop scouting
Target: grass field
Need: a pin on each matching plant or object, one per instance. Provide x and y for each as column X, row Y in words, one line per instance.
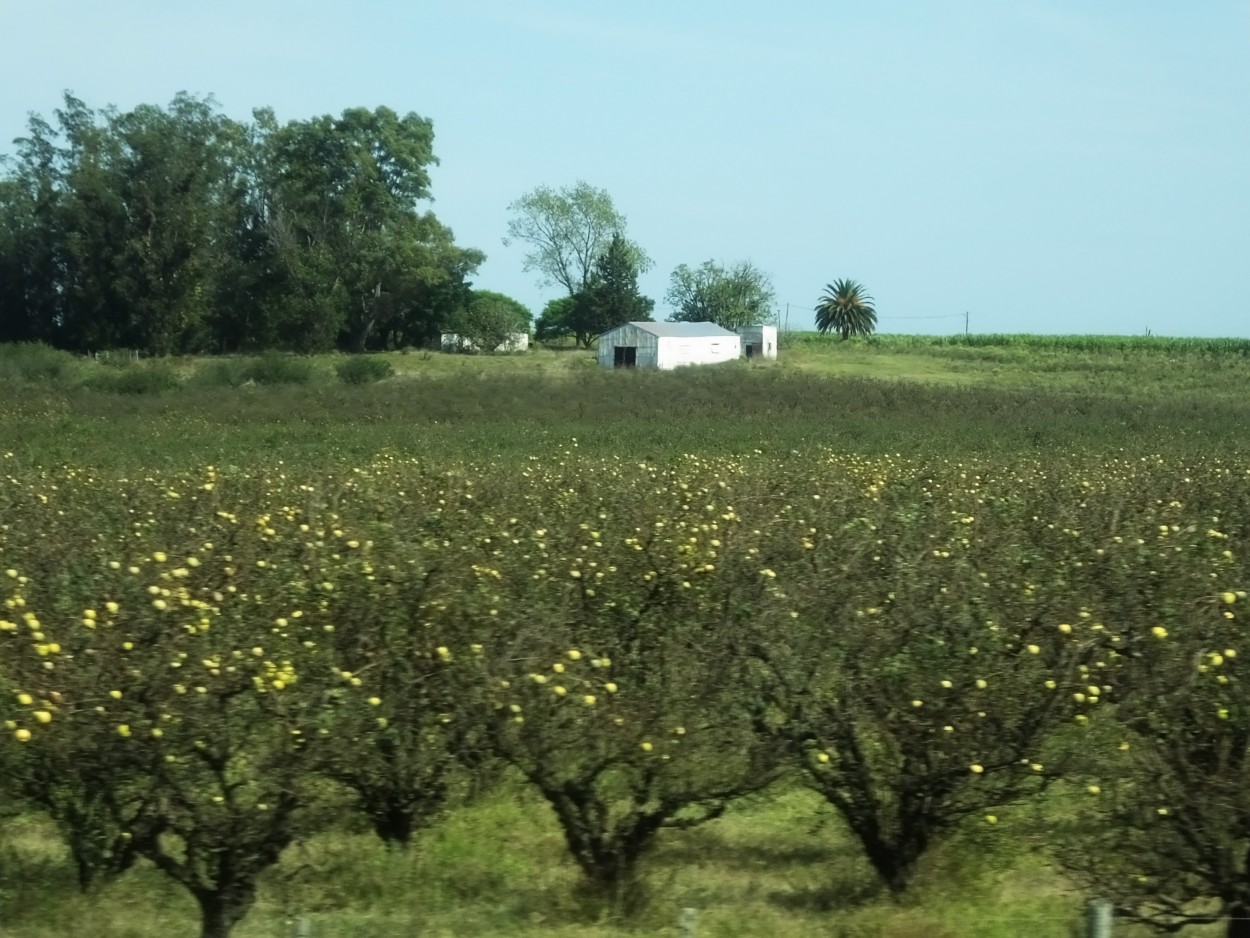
column 1052, row 409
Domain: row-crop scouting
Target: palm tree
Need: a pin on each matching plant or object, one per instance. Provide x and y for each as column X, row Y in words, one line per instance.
column 847, row 309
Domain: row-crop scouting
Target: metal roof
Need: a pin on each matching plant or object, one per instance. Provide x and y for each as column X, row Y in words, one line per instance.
column 684, row 330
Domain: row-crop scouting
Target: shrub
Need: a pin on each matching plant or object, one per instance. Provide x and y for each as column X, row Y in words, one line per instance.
column 136, row 379
column 363, row 369
column 223, row 373
column 277, row 368
column 33, row 361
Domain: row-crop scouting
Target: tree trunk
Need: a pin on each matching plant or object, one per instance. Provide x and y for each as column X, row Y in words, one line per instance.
column 394, row 825
column 1238, row 922
column 222, row 909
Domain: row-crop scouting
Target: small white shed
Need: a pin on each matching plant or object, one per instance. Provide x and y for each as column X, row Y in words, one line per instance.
column 667, row 345
column 759, row 341
column 517, row 342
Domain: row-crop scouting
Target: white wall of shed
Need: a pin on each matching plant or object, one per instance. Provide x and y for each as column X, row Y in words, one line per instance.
column 676, row 351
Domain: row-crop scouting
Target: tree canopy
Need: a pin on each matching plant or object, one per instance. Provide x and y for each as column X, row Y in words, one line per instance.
column 567, row 230
column 731, row 297
column 611, row 298
column 489, row 320
column 846, row 308
column 179, row 230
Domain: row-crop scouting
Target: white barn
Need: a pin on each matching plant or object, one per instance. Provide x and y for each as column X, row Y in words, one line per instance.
column 451, row 342
column 759, row 341
column 666, row 345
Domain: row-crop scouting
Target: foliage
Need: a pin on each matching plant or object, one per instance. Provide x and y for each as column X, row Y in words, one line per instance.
column 556, row 322
column 136, row 378
column 277, row 368
column 846, row 308
column 363, row 369
column 568, row 230
column 611, row 298
column 941, row 697
column 732, row 297
column 178, row 230
column 489, row 321
column 34, row 362
column 1169, row 830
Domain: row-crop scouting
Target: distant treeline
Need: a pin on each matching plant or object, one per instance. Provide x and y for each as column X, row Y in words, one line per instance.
column 1026, row 341
column 179, row 230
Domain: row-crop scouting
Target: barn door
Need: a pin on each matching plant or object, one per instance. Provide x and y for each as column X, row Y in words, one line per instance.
column 624, row 356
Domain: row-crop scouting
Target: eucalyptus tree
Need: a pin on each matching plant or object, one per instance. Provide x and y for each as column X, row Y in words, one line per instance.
column 344, row 220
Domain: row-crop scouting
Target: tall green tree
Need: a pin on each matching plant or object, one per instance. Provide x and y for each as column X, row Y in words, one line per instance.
column 359, row 255
column 567, row 231
column 178, row 230
column 846, row 308
column 731, row 297
column 122, row 212
column 611, row 297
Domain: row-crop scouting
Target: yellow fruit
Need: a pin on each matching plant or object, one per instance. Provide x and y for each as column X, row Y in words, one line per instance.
column 42, row 716
column 822, row 757
column 1228, row 598
column 1159, row 632
column 647, row 747
column 976, row 768
column 22, row 735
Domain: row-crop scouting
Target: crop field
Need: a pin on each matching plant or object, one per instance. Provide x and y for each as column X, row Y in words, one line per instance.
column 896, row 638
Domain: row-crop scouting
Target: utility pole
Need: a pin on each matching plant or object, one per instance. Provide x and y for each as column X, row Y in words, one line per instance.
column 965, row 322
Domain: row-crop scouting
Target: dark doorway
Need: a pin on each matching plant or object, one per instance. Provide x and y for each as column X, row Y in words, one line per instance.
column 624, row 356
column 751, row 350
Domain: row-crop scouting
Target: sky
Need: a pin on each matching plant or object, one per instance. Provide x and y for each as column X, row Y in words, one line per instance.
column 1048, row 166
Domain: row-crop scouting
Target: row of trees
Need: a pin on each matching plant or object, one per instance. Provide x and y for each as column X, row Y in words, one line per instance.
column 923, row 646
column 577, row 242
column 179, row 230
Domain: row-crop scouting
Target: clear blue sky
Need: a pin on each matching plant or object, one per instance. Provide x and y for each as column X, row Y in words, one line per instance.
column 1046, row 165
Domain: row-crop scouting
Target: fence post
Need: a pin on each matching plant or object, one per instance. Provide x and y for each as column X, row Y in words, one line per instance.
column 303, row 928
column 688, row 924
column 1098, row 919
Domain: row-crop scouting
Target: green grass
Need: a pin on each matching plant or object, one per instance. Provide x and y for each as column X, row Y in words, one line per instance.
column 850, row 398
column 775, row 865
